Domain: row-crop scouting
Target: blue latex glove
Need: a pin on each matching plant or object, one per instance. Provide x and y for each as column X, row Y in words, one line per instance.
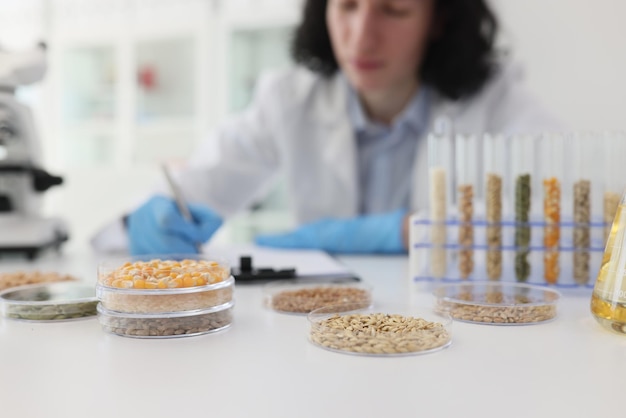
column 361, row 235
column 158, row 227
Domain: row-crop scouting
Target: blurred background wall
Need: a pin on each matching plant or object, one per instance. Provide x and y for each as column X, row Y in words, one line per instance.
column 574, row 52
column 134, row 82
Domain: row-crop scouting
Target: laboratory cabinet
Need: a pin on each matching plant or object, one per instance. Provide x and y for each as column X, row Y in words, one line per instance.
column 133, row 83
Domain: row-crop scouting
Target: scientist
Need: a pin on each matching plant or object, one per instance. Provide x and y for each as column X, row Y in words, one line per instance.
column 347, row 127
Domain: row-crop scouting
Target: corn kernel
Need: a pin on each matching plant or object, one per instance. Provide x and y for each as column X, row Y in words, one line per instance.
column 163, row 274
column 189, row 281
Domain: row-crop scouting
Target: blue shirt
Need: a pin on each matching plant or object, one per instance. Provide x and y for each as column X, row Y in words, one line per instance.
column 386, row 153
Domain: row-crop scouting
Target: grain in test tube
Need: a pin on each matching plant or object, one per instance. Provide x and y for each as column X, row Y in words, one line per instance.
column 441, row 165
column 495, row 160
column 466, row 151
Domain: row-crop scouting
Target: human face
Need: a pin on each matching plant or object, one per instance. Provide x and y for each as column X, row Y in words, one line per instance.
column 379, row 44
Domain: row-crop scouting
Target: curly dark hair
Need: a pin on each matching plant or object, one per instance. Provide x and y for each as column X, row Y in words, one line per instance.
column 457, row 62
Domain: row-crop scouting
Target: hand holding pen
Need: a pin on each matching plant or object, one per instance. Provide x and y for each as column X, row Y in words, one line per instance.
column 180, row 202
column 163, row 225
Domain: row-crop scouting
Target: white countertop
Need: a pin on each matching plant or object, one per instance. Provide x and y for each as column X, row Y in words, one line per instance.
column 264, row 366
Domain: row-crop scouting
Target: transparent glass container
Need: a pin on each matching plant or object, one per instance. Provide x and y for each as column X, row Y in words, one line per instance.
column 552, row 154
column 608, row 301
column 166, row 324
column 497, row 303
column 495, row 160
column 467, row 152
column 525, row 190
column 586, row 201
column 441, row 185
column 382, row 331
column 153, row 284
column 48, row 302
column 298, row 297
column 614, row 172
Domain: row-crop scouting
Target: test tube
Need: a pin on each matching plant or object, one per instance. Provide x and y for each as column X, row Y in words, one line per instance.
column 585, row 185
column 522, row 166
column 467, row 163
column 495, row 160
column 441, row 179
column 614, row 176
column 553, row 164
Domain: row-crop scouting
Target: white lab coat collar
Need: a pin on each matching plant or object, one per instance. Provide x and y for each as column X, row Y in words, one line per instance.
column 330, row 110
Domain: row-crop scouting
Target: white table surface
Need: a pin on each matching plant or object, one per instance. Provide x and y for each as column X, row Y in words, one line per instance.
column 264, row 366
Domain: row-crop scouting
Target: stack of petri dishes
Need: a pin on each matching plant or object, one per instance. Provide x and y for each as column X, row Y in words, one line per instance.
column 164, row 296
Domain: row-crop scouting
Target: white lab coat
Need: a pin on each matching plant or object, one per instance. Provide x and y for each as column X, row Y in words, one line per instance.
column 298, row 124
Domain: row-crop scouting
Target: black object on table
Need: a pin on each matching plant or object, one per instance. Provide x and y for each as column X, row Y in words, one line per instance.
column 247, row 273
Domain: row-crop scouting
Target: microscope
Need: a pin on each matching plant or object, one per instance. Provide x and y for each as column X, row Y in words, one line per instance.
column 23, row 229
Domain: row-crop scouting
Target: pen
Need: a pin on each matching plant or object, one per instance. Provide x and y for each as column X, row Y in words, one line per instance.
column 180, row 201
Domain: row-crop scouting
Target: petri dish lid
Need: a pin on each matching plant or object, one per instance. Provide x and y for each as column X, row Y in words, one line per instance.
column 497, row 303
column 165, row 315
column 48, row 302
column 121, row 273
column 49, row 294
column 102, row 289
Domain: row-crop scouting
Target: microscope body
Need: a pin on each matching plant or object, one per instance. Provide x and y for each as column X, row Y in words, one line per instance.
column 22, row 178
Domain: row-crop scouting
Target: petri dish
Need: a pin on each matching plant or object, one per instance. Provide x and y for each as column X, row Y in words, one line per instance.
column 170, row 271
column 167, row 324
column 166, row 300
column 161, row 284
column 64, row 301
column 497, row 303
column 386, row 331
column 301, row 297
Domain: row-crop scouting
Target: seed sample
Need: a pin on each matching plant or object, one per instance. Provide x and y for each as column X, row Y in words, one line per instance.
column 582, row 230
column 497, row 303
column 22, row 278
column 438, row 218
column 494, row 226
column 610, row 205
column 522, row 228
column 466, row 230
column 166, row 300
column 184, row 324
column 304, row 299
column 51, row 312
column 49, row 302
column 163, row 274
column 552, row 229
column 378, row 334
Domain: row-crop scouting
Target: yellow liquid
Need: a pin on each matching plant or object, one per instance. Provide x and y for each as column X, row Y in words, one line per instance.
column 608, row 302
column 611, row 315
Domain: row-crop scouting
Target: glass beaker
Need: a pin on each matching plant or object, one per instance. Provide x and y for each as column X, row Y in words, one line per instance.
column 608, row 301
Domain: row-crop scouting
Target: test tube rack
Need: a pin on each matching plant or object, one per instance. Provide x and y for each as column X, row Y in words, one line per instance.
column 533, row 212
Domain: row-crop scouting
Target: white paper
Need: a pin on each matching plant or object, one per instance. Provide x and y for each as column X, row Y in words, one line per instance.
column 306, row 262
